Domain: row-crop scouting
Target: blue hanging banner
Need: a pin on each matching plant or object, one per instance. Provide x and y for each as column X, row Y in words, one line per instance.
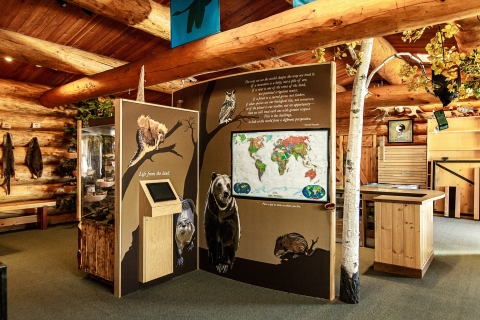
column 298, row 3
column 193, row 19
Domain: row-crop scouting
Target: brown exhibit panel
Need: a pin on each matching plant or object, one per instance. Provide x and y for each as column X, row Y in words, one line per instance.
column 404, row 231
column 248, row 122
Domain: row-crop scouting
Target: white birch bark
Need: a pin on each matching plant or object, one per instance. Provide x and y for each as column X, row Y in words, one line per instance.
column 350, row 235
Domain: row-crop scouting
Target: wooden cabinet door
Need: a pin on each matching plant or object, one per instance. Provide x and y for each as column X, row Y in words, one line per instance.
column 368, row 165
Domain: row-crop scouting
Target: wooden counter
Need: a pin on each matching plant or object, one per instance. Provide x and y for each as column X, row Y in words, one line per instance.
column 403, row 229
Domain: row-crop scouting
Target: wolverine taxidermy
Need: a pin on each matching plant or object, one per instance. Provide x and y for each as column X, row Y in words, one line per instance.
column 150, row 134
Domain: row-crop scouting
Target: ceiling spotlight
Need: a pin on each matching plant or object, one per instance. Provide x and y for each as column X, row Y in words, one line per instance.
column 8, row 59
column 61, row 3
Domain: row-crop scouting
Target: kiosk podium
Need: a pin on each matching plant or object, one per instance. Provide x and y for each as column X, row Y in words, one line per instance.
column 158, row 202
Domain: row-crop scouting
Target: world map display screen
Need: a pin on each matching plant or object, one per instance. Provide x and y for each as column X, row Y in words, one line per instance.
column 281, row 165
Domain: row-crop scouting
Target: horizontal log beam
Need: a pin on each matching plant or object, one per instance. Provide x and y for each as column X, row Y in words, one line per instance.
column 30, row 192
column 468, row 38
column 317, row 24
column 22, row 90
column 381, row 50
column 19, row 121
column 22, row 97
column 28, row 107
column 380, row 129
column 395, row 95
column 45, row 138
column 72, row 60
column 146, row 15
column 24, row 176
column 64, row 58
column 50, row 155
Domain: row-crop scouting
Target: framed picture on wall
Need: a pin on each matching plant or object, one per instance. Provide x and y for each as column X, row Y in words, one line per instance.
column 286, row 165
column 400, row 131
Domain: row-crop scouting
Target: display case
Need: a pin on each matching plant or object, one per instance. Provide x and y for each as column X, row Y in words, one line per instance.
column 96, row 197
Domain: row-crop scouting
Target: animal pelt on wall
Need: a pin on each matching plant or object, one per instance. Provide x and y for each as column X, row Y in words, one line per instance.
column 34, row 158
column 222, row 223
column 150, row 134
column 8, row 159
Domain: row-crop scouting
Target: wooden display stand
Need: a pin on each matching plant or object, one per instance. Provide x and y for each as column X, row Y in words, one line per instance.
column 156, row 227
column 404, row 232
column 96, row 249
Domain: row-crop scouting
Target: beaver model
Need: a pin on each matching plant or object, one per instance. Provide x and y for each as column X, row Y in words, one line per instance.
column 222, row 223
column 293, row 244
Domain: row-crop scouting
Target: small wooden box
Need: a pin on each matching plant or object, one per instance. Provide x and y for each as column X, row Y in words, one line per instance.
column 96, row 249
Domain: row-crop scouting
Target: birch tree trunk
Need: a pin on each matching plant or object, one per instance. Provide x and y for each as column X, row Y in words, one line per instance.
column 349, row 278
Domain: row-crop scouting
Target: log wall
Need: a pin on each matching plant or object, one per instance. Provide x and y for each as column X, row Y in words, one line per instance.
column 19, row 108
column 372, row 127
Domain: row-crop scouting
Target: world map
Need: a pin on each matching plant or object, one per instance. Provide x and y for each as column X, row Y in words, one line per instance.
column 290, row 165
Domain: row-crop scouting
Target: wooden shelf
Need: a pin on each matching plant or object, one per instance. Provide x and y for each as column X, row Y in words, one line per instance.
column 454, row 131
column 454, row 149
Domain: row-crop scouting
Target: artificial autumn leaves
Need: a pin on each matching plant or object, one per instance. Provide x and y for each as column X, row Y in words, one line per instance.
column 444, row 60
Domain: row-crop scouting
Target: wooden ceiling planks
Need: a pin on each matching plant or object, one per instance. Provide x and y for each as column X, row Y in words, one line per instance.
column 239, row 13
column 71, row 26
column 16, row 16
column 108, row 39
column 38, row 18
column 9, row 9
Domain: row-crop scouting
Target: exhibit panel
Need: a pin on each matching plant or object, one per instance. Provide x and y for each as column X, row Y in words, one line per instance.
column 156, row 235
column 266, row 163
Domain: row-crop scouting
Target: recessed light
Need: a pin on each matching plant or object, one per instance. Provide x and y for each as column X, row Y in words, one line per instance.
column 8, row 59
column 38, row 66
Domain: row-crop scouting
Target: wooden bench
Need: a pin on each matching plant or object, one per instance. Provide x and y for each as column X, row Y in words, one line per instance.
column 40, row 218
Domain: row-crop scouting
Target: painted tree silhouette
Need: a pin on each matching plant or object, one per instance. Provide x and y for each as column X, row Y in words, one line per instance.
column 131, row 171
column 204, row 136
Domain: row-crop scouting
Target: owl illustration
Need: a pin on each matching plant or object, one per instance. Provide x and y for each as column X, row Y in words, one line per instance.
column 228, row 107
column 150, row 134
